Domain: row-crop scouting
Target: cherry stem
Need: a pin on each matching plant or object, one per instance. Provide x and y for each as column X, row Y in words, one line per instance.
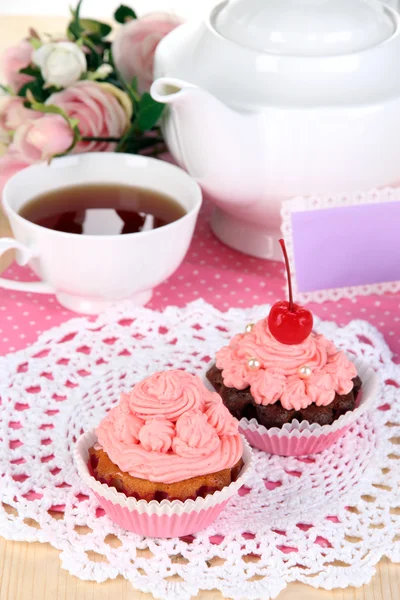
column 289, row 276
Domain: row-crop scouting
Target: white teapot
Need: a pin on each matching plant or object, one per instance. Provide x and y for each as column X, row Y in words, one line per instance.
column 271, row 99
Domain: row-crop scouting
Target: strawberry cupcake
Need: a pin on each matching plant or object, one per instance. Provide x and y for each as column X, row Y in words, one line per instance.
column 167, row 459
column 293, row 391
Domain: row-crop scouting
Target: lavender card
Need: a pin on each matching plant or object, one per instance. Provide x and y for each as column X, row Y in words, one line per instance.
column 345, row 245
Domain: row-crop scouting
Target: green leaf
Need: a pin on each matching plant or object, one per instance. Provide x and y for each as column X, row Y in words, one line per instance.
column 150, row 112
column 108, row 56
column 124, row 13
column 77, row 13
column 36, row 87
column 94, row 59
column 95, row 28
column 31, row 70
column 127, row 136
column 74, row 28
column 132, row 93
column 35, row 42
column 134, row 84
column 6, row 89
column 150, row 146
column 73, row 31
column 51, row 109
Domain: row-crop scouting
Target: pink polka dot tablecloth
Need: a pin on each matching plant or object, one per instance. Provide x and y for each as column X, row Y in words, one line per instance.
column 220, row 275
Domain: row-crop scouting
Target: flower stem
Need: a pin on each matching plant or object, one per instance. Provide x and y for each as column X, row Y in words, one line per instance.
column 89, row 138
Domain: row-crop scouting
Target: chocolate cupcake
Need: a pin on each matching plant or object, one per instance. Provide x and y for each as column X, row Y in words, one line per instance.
column 281, row 376
column 274, row 383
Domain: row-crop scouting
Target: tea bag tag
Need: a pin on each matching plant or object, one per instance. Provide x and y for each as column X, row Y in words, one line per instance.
column 103, row 221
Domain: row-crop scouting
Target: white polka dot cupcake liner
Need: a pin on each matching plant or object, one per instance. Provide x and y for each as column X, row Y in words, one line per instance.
column 163, row 519
column 302, row 439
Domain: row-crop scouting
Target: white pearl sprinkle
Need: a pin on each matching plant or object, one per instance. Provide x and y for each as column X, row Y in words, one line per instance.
column 305, row 371
column 249, row 328
column 253, row 364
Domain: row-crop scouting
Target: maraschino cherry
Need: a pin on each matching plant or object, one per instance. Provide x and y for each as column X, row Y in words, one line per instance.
column 288, row 322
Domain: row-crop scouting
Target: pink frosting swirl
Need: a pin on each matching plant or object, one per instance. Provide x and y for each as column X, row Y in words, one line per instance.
column 267, row 385
column 126, row 425
column 156, row 435
column 169, row 428
column 216, row 415
column 195, row 436
column 166, row 395
column 341, row 371
column 279, row 375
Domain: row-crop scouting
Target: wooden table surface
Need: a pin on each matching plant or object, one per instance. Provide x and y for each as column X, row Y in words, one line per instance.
column 33, row 571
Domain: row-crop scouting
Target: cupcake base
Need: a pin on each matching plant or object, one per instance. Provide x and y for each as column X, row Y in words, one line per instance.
column 304, row 438
column 160, row 525
column 241, row 404
column 158, row 519
column 298, row 439
column 105, row 471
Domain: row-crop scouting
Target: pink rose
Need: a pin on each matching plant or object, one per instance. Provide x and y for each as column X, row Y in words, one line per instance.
column 13, row 114
column 43, row 138
column 135, row 45
column 101, row 109
column 10, row 164
column 16, row 58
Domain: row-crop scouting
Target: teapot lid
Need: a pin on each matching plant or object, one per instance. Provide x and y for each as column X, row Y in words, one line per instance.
column 305, row 27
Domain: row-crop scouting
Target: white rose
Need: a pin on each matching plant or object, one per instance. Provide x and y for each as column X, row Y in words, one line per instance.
column 61, row 63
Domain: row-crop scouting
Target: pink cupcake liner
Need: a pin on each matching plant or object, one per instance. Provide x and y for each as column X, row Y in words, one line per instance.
column 158, row 519
column 300, row 439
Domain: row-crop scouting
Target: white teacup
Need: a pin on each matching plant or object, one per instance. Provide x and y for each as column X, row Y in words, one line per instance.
column 87, row 273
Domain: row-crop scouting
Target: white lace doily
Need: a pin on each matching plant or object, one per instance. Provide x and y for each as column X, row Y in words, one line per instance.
column 325, row 520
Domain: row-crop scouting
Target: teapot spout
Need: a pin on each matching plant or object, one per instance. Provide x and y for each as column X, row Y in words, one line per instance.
column 209, row 139
column 168, row 90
